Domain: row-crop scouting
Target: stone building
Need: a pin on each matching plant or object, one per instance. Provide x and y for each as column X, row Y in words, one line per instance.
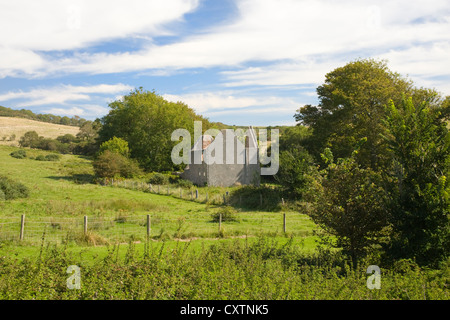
column 225, row 160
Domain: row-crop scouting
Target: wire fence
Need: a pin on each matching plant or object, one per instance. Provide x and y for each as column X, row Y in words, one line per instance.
column 112, row 229
column 269, row 198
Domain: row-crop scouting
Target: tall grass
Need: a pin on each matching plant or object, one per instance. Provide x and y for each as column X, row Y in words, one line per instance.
column 258, row 270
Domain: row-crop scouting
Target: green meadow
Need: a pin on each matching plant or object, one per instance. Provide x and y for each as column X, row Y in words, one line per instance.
column 186, row 254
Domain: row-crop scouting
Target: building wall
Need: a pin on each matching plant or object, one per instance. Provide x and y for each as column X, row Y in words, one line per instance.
column 226, row 174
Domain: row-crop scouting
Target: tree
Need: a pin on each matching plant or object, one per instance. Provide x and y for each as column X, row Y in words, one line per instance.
column 146, row 121
column 419, row 140
column 111, row 164
column 350, row 206
column 29, row 139
column 116, row 145
column 351, row 106
column 296, row 170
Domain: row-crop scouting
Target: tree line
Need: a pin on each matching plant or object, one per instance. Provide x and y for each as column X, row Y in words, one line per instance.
column 75, row 121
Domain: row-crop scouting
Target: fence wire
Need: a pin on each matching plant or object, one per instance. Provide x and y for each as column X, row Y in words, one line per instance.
column 108, row 229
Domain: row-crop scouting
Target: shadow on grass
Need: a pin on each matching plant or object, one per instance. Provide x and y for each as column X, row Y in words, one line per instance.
column 76, row 178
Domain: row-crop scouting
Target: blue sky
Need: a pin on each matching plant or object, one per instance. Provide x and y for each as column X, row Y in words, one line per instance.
column 243, row 62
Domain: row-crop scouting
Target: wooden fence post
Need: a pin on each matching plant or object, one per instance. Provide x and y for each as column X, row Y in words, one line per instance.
column 220, row 222
column 85, row 224
column 22, row 226
column 196, row 194
column 148, row 225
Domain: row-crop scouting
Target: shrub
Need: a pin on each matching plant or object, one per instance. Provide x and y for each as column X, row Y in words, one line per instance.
column 185, row 183
column 228, row 214
column 116, row 145
column 2, row 195
column 52, row 157
column 29, row 139
column 40, row 157
column 19, row 154
column 158, row 178
column 110, row 164
column 12, row 189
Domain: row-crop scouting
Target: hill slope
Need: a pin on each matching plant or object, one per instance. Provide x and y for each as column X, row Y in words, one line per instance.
column 18, row 126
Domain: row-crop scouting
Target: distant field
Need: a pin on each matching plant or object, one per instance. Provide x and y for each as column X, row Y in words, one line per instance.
column 18, row 126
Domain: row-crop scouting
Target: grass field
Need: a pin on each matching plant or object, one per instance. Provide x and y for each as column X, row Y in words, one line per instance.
column 186, row 255
column 57, row 205
column 18, row 126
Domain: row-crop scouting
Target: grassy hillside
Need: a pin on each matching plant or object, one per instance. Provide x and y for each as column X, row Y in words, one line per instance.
column 58, row 202
column 18, row 126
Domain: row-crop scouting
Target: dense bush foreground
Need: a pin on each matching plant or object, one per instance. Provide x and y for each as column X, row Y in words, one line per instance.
column 263, row 270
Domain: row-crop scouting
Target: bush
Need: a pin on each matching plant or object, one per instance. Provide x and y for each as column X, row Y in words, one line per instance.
column 40, row 157
column 185, row 183
column 110, row 164
column 52, row 157
column 29, row 139
column 116, row 145
column 158, row 178
column 12, row 189
column 19, row 154
column 228, row 214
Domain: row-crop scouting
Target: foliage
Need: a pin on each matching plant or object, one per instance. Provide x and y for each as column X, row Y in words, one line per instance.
column 350, row 206
column 48, row 157
column 237, row 270
column 13, row 189
column 110, row 164
column 83, row 144
column 296, row 171
column 29, row 139
column 351, row 106
column 146, row 121
column 226, row 213
column 158, row 178
column 265, row 197
column 19, row 154
column 183, row 183
column 116, row 145
column 419, row 141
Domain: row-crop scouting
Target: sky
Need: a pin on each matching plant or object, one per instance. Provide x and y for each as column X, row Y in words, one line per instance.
column 240, row 62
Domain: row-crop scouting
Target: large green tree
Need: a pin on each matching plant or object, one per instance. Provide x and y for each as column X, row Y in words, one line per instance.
column 350, row 205
column 146, row 121
column 351, row 105
column 419, row 143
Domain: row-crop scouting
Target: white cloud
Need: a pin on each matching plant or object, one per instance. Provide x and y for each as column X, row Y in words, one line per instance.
column 214, row 102
column 85, row 110
column 74, row 111
column 294, row 41
column 61, row 94
column 286, row 30
column 27, row 27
